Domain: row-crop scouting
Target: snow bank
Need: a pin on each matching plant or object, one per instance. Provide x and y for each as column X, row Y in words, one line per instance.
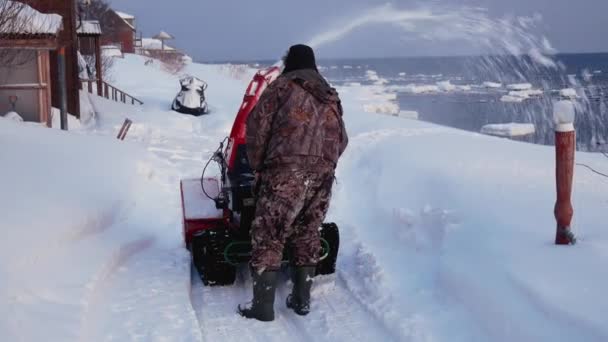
column 154, row 44
column 62, row 206
column 421, row 89
column 492, row 85
column 512, row 99
column 93, row 247
column 409, row 114
column 568, row 93
column 382, row 108
column 446, row 86
column 509, row 129
column 519, row 86
column 111, row 51
column 373, row 76
column 73, row 122
column 14, row 116
column 518, row 96
column 474, row 230
column 526, row 93
column 439, row 87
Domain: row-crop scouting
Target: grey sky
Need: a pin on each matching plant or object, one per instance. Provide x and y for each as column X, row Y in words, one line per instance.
column 245, row 30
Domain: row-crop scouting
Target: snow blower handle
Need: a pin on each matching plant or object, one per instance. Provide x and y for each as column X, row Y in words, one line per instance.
column 221, row 201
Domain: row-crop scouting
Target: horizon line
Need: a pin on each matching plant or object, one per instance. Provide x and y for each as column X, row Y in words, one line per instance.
column 242, row 61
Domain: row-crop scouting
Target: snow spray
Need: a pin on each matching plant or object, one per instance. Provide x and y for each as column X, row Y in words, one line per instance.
column 503, row 37
column 511, row 52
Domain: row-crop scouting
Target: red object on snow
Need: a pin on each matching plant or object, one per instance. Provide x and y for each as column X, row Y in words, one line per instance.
column 255, row 89
column 198, row 211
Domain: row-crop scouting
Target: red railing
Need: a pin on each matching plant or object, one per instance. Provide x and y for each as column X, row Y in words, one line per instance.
column 109, row 91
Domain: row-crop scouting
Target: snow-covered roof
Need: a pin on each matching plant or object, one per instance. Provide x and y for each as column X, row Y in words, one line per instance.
column 163, row 36
column 90, row 27
column 153, row 44
column 509, row 129
column 31, row 22
column 125, row 18
column 125, row 15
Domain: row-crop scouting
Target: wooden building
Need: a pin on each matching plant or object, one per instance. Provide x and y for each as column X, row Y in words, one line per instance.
column 25, row 84
column 67, row 39
column 121, row 31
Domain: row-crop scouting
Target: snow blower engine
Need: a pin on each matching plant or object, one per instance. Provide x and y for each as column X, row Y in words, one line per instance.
column 217, row 213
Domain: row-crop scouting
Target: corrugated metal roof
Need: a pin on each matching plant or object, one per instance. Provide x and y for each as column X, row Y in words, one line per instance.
column 31, row 22
column 90, row 27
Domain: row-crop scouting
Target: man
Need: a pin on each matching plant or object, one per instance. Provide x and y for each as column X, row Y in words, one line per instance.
column 295, row 135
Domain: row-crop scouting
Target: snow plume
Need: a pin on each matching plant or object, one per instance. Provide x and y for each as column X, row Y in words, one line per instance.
column 512, row 52
column 385, row 14
column 506, row 36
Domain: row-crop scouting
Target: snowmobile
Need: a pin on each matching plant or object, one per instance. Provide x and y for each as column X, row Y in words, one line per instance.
column 191, row 97
column 218, row 211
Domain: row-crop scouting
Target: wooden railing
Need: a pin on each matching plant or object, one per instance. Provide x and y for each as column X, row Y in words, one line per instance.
column 108, row 91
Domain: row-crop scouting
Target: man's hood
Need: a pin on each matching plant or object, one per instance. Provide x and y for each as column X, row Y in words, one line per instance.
column 311, row 81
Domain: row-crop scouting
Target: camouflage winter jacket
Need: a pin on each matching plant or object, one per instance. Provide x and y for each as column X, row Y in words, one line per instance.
column 297, row 124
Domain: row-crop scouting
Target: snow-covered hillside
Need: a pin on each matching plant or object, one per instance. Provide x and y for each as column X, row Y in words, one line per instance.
column 446, row 235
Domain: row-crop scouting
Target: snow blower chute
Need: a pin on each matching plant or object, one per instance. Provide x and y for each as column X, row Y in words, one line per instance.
column 218, row 212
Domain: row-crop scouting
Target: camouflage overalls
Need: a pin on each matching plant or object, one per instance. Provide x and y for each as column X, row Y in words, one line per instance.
column 295, row 136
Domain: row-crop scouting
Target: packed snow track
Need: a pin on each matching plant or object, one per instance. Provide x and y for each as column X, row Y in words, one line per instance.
column 336, row 314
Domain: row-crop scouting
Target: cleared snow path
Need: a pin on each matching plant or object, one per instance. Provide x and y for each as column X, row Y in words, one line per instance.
column 337, row 315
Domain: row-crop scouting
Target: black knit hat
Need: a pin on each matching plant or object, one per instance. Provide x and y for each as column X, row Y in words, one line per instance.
column 299, row 57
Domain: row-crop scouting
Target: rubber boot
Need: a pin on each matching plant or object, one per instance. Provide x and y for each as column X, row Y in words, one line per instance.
column 262, row 305
column 299, row 299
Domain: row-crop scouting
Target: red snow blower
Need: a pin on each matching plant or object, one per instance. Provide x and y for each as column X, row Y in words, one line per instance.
column 217, row 213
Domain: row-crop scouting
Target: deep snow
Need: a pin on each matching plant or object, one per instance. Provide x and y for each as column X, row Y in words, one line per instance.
column 446, row 235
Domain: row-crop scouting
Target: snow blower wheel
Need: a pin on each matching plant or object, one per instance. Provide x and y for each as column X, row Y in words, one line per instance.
column 331, row 236
column 208, row 256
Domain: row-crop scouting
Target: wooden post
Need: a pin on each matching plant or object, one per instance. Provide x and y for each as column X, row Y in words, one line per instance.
column 43, row 105
column 46, row 64
column 63, row 88
column 565, row 146
column 98, row 65
column 124, row 129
